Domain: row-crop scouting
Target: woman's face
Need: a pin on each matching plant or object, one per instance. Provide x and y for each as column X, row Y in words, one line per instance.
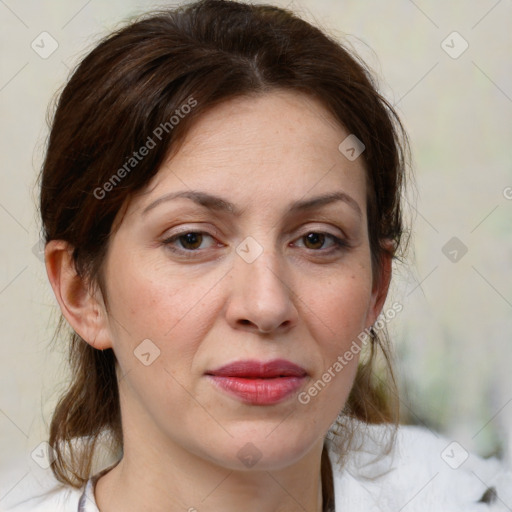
column 244, row 265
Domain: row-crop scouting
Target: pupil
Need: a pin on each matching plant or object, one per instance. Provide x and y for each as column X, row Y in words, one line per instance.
column 192, row 239
column 314, row 238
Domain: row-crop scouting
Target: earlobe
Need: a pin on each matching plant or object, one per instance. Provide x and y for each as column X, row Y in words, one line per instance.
column 82, row 310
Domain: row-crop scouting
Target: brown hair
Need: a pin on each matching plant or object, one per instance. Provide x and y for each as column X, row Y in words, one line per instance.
column 134, row 81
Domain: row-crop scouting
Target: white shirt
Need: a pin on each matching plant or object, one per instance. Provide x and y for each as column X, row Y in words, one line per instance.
column 423, row 472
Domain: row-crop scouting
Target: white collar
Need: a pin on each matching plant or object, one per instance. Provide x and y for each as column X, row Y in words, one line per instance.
column 416, row 475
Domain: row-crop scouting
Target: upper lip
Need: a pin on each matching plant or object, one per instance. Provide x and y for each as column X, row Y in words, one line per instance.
column 259, row 369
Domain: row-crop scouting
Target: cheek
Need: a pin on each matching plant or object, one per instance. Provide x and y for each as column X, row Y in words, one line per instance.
column 158, row 325
column 339, row 316
column 340, row 312
column 172, row 310
column 343, row 303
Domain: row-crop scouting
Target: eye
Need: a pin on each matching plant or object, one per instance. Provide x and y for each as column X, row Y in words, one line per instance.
column 190, row 241
column 314, row 240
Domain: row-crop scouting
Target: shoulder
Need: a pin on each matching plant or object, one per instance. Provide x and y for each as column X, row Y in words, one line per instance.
column 421, row 471
column 41, row 495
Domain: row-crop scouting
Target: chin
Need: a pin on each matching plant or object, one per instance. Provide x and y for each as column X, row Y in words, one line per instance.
column 264, row 449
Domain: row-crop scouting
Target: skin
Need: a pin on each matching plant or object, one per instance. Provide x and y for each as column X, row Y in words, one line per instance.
column 299, row 300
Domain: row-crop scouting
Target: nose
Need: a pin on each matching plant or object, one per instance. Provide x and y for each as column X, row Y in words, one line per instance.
column 261, row 297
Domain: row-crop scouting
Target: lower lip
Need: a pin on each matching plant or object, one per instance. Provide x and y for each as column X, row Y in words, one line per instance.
column 259, row 391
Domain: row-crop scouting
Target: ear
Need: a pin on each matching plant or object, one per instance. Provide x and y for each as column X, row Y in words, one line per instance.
column 381, row 285
column 85, row 312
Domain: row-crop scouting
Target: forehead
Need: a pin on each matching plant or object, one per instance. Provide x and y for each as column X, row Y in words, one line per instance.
column 280, row 119
column 268, row 147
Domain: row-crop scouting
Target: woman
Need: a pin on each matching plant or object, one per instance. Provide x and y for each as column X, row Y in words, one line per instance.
column 221, row 202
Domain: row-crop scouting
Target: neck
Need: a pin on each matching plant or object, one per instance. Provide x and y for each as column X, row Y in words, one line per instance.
column 158, row 484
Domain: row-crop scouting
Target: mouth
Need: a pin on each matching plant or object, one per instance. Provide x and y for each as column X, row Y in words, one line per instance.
column 259, row 383
column 252, row 369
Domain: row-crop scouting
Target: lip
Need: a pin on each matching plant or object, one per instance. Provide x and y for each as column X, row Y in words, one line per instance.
column 259, row 369
column 257, row 382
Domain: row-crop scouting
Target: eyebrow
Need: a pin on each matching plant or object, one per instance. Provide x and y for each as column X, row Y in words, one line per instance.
column 217, row 203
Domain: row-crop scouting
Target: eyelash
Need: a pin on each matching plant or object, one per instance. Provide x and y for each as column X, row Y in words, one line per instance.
column 339, row 244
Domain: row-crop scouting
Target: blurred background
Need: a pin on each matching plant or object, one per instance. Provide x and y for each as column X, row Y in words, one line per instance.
column 446, row 67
